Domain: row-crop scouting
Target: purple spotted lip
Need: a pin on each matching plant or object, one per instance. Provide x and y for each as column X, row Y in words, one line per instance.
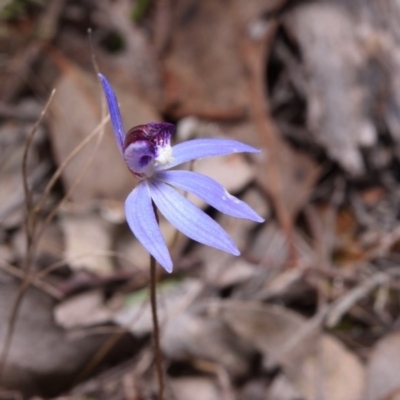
column 146, row 146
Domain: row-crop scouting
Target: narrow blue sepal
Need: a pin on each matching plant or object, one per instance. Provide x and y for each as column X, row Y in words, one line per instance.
column 201, row 148
column 189, row 219
column 211, row 192
column 115, row 114
column 141, row 219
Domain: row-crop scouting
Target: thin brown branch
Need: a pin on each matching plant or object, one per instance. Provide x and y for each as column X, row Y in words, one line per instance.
column 29, row 226
column 99, row 355
column 40, row 284
column 344, row 303
column 66, row 162
column 27, row 192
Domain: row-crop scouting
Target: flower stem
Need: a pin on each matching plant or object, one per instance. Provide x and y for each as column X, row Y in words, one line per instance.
column 156, row 330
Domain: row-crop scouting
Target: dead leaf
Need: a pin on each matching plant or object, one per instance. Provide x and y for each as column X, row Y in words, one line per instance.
column 307, row 358
column 173, row 297
column 271, row 247
column 6, row 253
column 282, row 389
column 238, row 271
column 49, row 249
column 383, row 368
column 285, row 282
column 195, row 52
column 298, row 173
column 194, row 389
column 186, row 334
column 191, row 336
column 83, row 310
column 337, row 100
column 337, row 370
column 88, row 240
column 40, row 354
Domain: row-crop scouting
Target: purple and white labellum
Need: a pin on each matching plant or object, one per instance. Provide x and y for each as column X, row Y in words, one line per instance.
column 147, row 147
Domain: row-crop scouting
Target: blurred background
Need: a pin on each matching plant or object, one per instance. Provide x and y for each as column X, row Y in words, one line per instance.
column 311, row 308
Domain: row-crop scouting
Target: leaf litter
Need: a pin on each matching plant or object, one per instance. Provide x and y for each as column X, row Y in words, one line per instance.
column 310, row 308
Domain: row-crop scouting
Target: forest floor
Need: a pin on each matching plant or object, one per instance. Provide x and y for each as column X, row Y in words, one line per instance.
column 310, row 310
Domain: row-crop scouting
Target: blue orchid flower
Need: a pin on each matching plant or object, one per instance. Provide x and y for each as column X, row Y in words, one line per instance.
column 149, row 156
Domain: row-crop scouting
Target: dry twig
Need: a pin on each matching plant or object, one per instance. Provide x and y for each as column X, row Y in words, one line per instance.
column 40, row 284
column 30, row 248
column 344, row 303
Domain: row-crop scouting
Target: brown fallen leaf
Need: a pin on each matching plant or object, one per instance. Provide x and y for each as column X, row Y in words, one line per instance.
column 198, row 388
column 383, row 368
column 192, row 336
column 174, row 297
column 186, row 333
column 298, row 174
column 338, row 111
column 49, row 249
column 83, row 310
column 288, row 176
column 287, row 282
column 88, row 240
column 40, row 358
column 270, row 246
column 203, row 74
column 338, row 372
column 282, row 389
column 315, row 364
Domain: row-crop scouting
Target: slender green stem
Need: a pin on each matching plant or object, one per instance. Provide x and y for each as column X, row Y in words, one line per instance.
column 156, row 329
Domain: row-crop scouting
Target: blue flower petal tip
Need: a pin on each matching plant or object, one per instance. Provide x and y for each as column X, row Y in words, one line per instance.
column 149, row 156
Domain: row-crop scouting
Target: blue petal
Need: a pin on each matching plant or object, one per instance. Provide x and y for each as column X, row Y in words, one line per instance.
column 211, row 192
column 200, row 148
column 115, row 115
column 142, row 221
column 189, row 219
